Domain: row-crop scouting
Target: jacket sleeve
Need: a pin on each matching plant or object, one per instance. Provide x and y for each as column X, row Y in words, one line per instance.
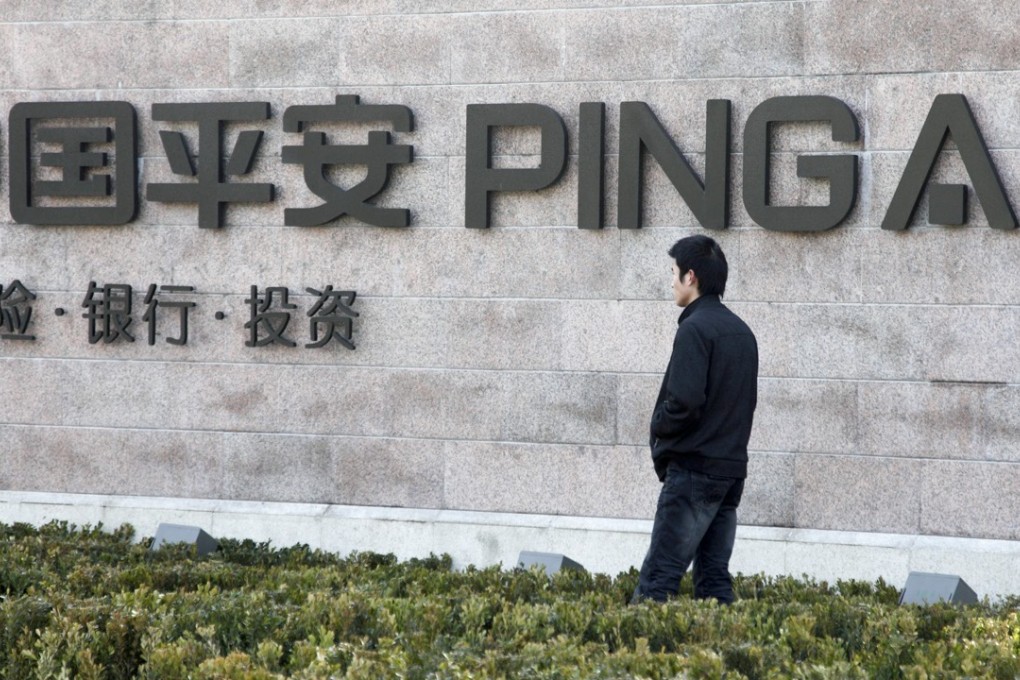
column 685, row 388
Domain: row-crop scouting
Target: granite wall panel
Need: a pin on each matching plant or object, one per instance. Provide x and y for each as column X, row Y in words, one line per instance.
column 1002, row 423
column 954, row 35
column 685, row 42
column 853, row 493
column 512, row 369
column 812, row 416
column 105, row 55
column 508, row 47
column 229, row 465
column 287, row 53
column 976, row 499
column 768, row 498
column 494, row 405
column 597, row 481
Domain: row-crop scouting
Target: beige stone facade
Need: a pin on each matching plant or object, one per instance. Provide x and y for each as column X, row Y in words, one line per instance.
column 511, row 369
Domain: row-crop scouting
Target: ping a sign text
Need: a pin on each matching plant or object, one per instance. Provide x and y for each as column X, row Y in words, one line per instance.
column 75, row 163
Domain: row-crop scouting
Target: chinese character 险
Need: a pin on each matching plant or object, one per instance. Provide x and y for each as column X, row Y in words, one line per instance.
column 15, row 311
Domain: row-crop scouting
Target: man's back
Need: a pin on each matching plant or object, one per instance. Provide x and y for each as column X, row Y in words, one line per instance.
column 705, row 410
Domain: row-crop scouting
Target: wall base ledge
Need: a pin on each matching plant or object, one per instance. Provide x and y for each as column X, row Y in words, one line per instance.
column 608, row 545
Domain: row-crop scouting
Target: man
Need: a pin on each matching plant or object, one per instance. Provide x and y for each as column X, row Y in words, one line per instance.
column 699, row 432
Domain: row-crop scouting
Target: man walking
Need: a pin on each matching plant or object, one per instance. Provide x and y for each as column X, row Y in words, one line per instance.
column 699, row 432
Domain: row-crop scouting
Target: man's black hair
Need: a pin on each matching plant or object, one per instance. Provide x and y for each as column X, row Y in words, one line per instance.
column 705, row 257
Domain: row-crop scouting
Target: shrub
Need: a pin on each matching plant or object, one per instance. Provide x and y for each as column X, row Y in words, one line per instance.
column 87, row 603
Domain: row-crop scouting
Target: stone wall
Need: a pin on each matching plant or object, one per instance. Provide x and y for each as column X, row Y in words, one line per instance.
column 512, row 369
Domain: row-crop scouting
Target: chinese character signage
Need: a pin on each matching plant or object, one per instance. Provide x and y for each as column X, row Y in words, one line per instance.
column 70, row 130
column 110, row 315
column 73, row 163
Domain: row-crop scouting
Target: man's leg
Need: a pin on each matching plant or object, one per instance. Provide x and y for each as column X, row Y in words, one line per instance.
column 712, row 558
column 688, row 503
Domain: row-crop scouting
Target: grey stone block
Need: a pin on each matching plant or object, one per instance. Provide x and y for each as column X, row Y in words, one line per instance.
column 768, row 498
column 8, row 33
column 510, row 406
column 142, row 54
column 844, row 38
column 858, row 493
column 814, row 416
column 807, row 341
column 288, row 468
column 169, row 534
column 820, row 267
column 974, row 344
column 925, row 588
column 683, row 41
column 529, row 263
column 225, row 465
column 635, row 400
column 508, row 47
column 1001, row 409
column 288, row 52
column 894, row 342
column 609, row 336
column 453, row 333
column 393, row 472
column 401, row 50
column 847, row 39
column 85, row 10
column 986, row 19
column 554, row 479
column 924, row 266
column 921, row 420
column 446, row 262
column 600, row 44
column 136, row 462
column 550, row 562
column 35, row 257
column 975, row 499
column 761, row 39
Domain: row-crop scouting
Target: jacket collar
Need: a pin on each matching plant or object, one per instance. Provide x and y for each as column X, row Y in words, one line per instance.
column 703, row 301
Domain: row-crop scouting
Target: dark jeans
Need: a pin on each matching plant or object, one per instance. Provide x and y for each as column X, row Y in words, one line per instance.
column 696, row 520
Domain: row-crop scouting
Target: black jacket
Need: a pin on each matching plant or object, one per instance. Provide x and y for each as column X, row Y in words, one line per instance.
column 703, row 415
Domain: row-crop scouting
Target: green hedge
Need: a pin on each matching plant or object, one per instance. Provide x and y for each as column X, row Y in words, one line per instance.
column 87, row 603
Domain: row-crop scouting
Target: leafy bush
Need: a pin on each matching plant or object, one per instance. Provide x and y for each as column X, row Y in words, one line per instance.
column 87, row 603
